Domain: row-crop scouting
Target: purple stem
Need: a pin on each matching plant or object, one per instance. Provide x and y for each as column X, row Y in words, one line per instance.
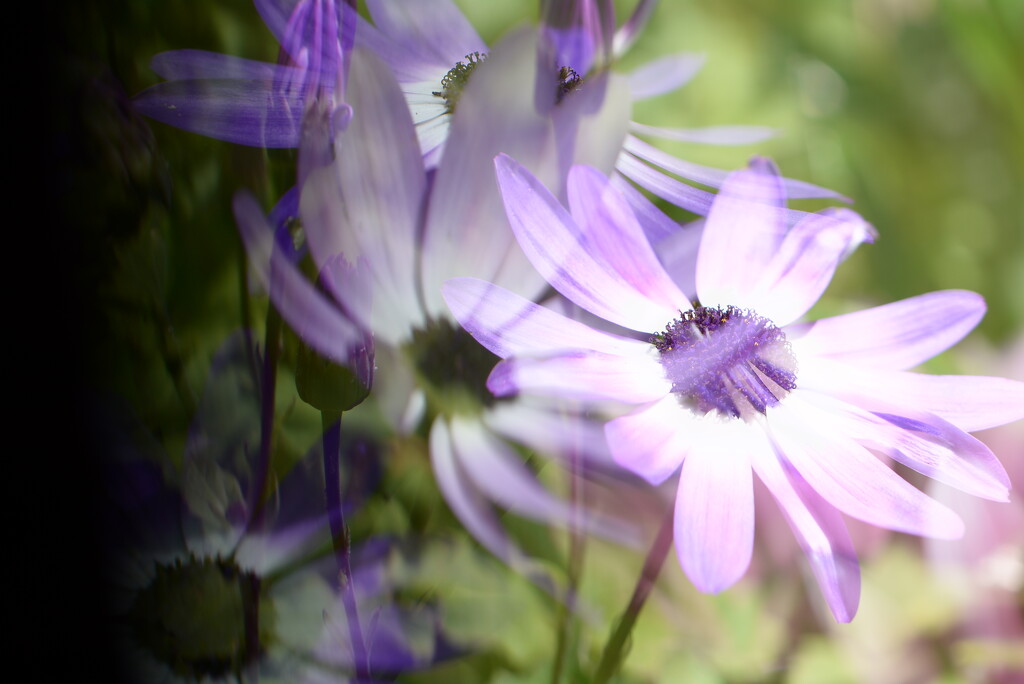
column 341, row 540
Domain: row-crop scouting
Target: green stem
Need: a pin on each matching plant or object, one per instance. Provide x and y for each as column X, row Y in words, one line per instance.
column 611, row 658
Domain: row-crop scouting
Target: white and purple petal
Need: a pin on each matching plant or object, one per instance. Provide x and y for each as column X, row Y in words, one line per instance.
column 849, row 477
column 714, row 514
column 895, row 336
column 584, row 375
column 508, row 324
column 556, row 247
column 652, row 441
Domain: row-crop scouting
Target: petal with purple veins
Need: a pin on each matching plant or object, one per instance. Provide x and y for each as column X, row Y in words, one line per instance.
column 820, row 530
column 714, row 515
column 613, row 234
column 508, row 324
column 894, row 336
column 849, row 477
column 745, row 227
column 582, row 375
column 555, row 246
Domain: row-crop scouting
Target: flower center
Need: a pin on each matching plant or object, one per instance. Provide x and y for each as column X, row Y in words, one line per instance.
column 193, row 616
column 454, row 82
column 731, row 361
column 452, row 368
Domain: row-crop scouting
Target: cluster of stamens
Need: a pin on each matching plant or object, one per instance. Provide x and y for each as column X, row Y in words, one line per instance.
column 731, row 361
column 454, row 82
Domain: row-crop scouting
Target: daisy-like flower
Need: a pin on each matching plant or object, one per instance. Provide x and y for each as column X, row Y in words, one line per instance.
column 433, row 51
column 376, row 205
column 729, row 385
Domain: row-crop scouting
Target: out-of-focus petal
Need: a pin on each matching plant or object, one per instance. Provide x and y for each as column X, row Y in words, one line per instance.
column 467, row 232
column 433, row 30
column 628, row 32
column 714, row 516
column 711, row 135
column 706, row 175
column 501, row 476
column 652, row 440
column 246, row 112
column 678, row 253
column 894, row 336
column 314, row 318
column 820, row 530
column 664, row 75
column 611, row 233
column 850, row 478
column 656, row 224
column 553, row 243
column 802, row 267
column 744, row 229
column 680, row 194
column 970, row 402
column 175, row 65
column 466, row 503
column 508, row 324
column 582, row 375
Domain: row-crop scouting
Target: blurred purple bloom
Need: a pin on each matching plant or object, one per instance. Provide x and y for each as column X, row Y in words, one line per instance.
column 731, row 386
column 208, row 589
column 376, row 205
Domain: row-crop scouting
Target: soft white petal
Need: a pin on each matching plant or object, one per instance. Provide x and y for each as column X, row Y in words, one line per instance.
column 712, row 135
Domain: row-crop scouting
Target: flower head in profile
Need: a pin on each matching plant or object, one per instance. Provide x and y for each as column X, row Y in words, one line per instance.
column 728, row 385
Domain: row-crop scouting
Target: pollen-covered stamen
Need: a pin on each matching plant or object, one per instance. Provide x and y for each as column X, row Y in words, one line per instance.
column 454, row 82
column 731, row 361
column 568, row 81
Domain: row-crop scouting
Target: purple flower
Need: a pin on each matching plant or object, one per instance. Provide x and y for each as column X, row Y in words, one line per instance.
column 729, row 386
column 376, row 205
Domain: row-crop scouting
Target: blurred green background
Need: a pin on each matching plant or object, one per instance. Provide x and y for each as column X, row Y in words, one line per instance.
column 913, row 108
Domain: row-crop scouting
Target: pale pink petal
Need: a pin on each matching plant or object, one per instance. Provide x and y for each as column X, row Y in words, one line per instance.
column 664, row 75
column 714, row 516
column 849, row 477
column 652, row 440
column 969, row 402
column 552, row 241
column 507, row 324
column 820, row 530
column 894, row 336
column 744, row 229
column 611, row 233
column 582, row 375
